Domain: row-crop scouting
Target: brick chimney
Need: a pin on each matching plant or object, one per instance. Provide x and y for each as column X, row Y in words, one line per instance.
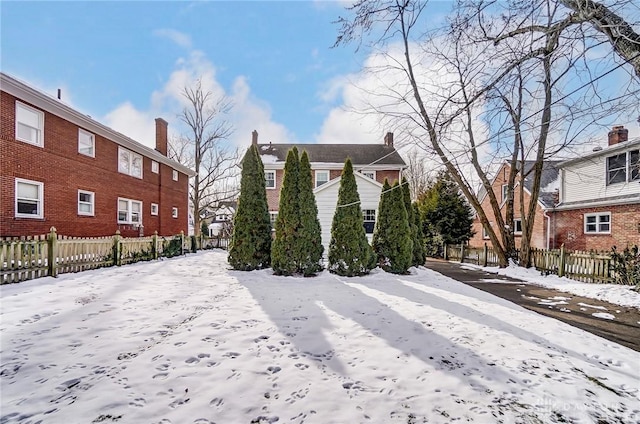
column 161, row 135
column 254, row 137
column 619, row 134
column 388, row 139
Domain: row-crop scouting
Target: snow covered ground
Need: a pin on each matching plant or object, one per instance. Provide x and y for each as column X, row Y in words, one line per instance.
column 612, row 293
column 186, row 340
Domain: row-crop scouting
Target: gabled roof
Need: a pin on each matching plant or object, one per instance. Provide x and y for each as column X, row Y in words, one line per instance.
column 548, row 180
column 337, row 181
column 634, row 142
column 360, row 154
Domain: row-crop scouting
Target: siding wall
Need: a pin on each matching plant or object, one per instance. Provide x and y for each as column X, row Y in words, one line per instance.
column 63, row 171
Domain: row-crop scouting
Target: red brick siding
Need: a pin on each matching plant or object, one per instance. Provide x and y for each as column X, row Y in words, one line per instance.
column 392, row 176
column 568, row 227
column 539, row 234
column 63, row 171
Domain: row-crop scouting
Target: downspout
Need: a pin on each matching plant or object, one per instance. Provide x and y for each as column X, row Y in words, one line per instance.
column 544, row 213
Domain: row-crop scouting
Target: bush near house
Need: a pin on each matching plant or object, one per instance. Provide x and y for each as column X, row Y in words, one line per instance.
column 626, row 266
column 309, row 247
column 349, row 251
column 251, row 241
column 287, row 224
column 392, row 237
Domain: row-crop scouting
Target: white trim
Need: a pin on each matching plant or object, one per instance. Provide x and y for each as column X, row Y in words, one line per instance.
column 92, row 138
column 597, row 223
column 39, row 201
column 52, row 105
column 91, row 203
column 515, row 227
column 129, row 211
column 131, row 157
column 154, row 209
column 39, row 141
column 337, row 181
column 174, row 175
column 369, row 171
column 270, row 171
column 321, row 172
column 174, row 212
column 155, row 167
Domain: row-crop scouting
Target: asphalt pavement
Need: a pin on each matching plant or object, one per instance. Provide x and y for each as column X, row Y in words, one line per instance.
column 574, row 310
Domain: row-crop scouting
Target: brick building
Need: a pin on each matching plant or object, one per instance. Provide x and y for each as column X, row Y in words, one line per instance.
column 372, row 163
column 63, row 169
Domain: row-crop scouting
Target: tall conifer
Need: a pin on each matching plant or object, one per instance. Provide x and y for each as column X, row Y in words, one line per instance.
column 349, row 252
column 392, row 241
column 251, row 241
column 283, row 260
column 308, row 251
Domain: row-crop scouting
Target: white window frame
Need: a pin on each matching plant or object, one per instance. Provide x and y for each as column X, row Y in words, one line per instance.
column 129, row 211
column 131, row 157
column 154, row 209
column 505, row 192
column 88, row 137
column 366, row 213
column 273, row 217
column 155, row 167
column 369, row 174
column 598, row 223
column 174, row 175
column 485, row 234
column 270, row 172
column 174, row 212
column 39, row 201
column 39, row 129
column 320, row 182
column 515, row 226
column 90, row 203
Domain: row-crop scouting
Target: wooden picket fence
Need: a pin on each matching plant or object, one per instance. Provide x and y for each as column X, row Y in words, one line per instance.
column 588, row 267
column 27, row 258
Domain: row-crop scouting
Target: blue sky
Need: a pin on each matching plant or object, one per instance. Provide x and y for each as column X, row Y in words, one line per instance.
column 114, row 60
column 126, row 62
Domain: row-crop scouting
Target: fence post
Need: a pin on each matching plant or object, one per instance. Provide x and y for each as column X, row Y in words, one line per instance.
column 446, row 252
column 461, row 252
column 181, row 242
column 117, row 249
column 485, row 252
column 52, row 247
column 561, row 262
column 154, row 249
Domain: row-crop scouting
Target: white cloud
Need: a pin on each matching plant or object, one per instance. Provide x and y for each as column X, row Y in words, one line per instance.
column 181, row 39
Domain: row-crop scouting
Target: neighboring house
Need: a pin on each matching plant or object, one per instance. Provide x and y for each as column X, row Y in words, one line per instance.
column 588, row 203
column 548, row 188
column 220, row 219
column 60, row 168
column 599, row 203
column 372, row 163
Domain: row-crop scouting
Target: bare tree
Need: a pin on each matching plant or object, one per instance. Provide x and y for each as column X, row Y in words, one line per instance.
column 418, row 174
column 506, row 91
column 203, row 150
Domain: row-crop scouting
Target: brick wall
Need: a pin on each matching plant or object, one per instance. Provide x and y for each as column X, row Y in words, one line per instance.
column 64, row 171
column 568, row 228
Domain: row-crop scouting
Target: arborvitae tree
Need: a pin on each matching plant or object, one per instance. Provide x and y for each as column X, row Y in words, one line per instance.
column 381, row 245
column 415, row 240
column 349, row 252
column 251, row 241
column 400, row 243
column 418, row 243
column 283, row 260
column 308, row 250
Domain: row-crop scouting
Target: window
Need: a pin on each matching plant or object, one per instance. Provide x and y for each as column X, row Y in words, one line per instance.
column 29, row 124
column 85, row 202
column 369, row 174
column 369, row 216
column 485, row 233
column 517, row 226
column 272, row 218
column 129, row 211
column 129, row 163
column 270, row 179
column 155, row 167
column 623, row 167
column 154, row 209
column 175, row 175
column 86, row 143
column 29, row 199
column 322, row 177
column 505, row 192
column 599, row 223
column 174, row 212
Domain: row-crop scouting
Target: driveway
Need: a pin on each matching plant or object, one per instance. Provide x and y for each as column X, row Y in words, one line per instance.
column 574, row 310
